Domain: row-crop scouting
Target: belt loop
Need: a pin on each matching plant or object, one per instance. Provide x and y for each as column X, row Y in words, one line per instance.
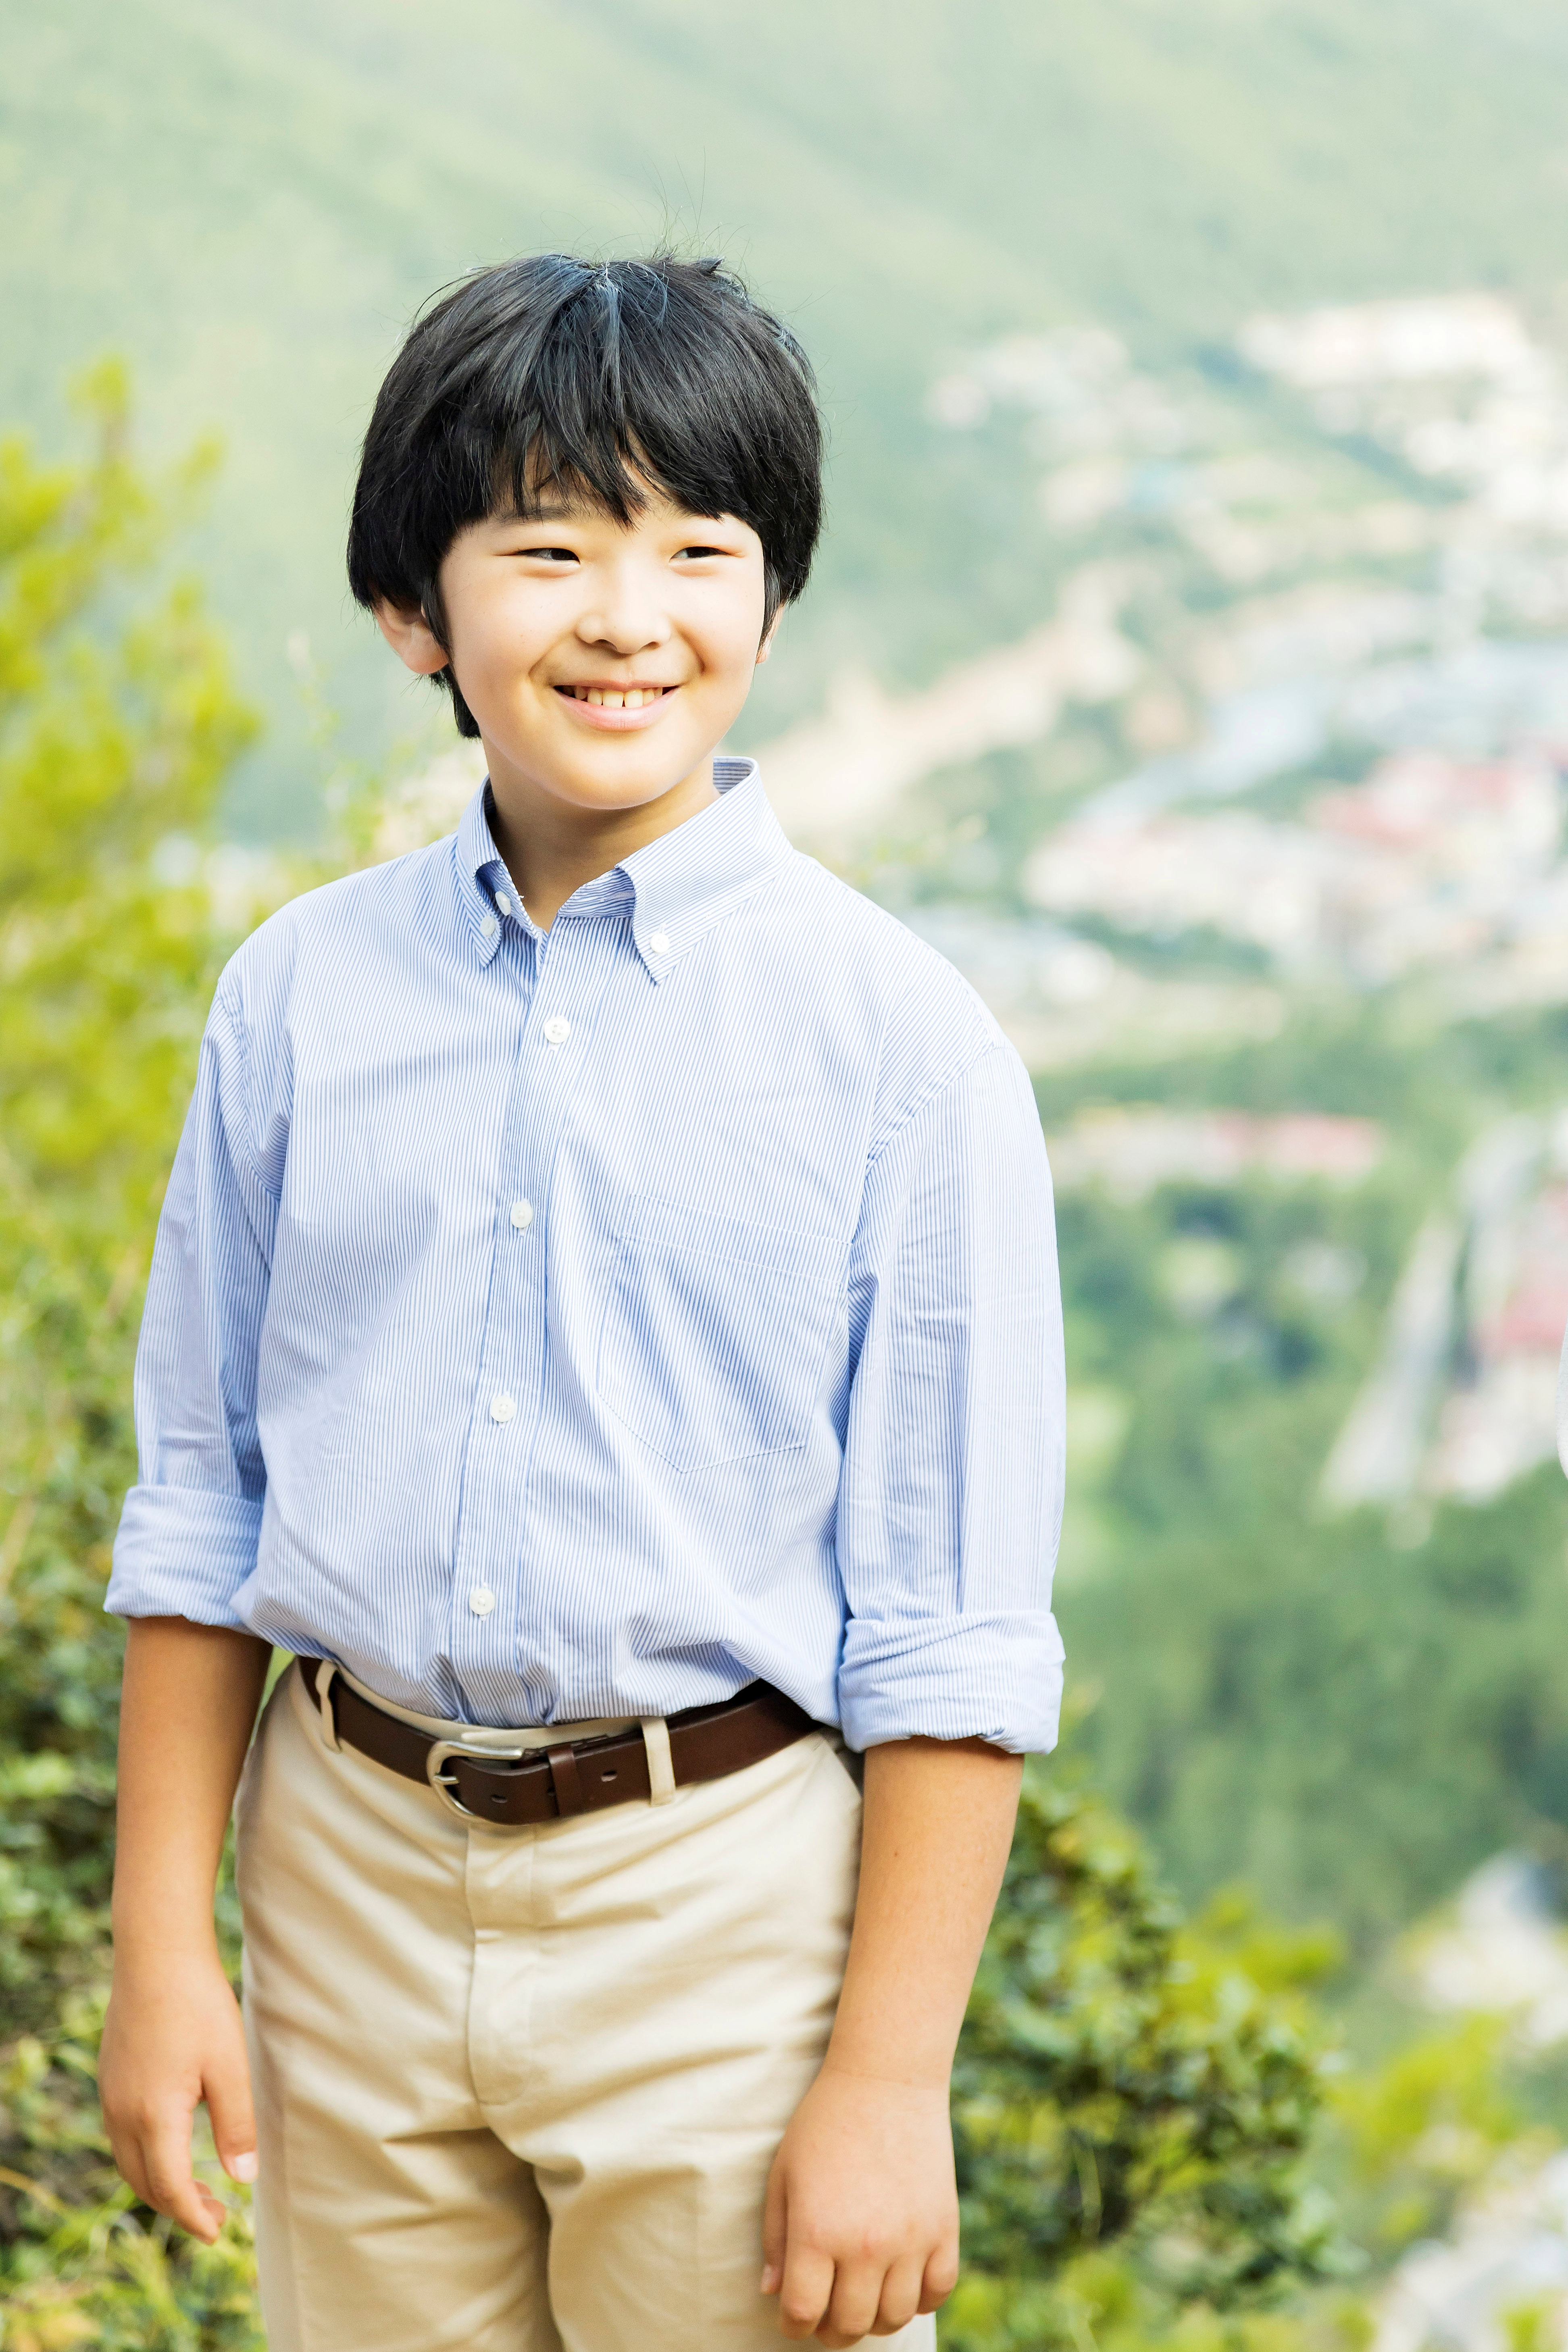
column 661, row 1763
column 566, row 1780
column 326, row 1675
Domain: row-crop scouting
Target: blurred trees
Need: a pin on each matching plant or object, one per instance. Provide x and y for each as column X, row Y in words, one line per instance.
column 118, row 721
column 1347, row 1712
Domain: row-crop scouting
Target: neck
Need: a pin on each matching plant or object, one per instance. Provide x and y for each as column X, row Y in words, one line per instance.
column 550, row 846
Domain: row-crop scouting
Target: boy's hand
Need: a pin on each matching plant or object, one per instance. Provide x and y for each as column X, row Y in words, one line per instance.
column 861, row 2231
column 173, row 2038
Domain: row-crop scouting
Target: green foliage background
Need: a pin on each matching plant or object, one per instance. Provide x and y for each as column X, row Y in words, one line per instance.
column 118, row 725
column 1348, row 1714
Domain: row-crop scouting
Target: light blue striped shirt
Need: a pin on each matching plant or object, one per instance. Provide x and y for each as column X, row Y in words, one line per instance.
column 556, row 1325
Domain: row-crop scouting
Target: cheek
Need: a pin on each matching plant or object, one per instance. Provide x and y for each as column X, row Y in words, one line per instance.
column 740, row 662
column 503, row 641
column 727, row 649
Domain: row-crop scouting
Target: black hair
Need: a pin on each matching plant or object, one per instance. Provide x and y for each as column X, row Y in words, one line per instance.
column 587, row 379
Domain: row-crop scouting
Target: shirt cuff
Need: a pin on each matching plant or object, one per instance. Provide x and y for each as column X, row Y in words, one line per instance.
column 997, row 1679
column 184, row 1551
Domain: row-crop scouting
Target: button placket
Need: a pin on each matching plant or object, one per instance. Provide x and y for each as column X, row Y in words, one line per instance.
column 505, row 1370
column 512, row 1369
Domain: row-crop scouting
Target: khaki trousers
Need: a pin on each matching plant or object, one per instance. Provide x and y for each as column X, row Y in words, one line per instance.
column 519, row 2090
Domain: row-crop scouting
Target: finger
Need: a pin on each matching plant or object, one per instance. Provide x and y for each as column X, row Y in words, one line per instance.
column 900, row 2298
column 126, row 2149
column 775, row 2229
column 852, row 2313
column 172, row 2187
column 227, row 2087
column 941, row 2276
column 804, row 2291
column 214, row 2210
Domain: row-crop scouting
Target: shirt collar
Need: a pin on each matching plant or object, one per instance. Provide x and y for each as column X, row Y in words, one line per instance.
column 675, row 889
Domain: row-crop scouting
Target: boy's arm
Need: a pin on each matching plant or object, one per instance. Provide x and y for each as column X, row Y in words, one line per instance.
column 173, row 2036
column 186, row 1543
column 949, row 1502
column 861, row 2229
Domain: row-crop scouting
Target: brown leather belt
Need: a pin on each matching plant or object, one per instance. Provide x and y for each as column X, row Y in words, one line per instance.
column 583, row 1776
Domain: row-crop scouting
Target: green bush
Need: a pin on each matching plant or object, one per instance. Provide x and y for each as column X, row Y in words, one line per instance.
column 1129, row 2084
column 118, row 723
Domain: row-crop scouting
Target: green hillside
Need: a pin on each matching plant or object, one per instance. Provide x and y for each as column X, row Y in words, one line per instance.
column 248, row 200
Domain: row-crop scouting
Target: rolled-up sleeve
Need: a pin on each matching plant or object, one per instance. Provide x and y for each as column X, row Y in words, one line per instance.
column 951, row 1499
column 188, row 1534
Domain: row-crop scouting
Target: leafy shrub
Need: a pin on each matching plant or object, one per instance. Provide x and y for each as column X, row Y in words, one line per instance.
column 115, row 735
column 1128, row 2084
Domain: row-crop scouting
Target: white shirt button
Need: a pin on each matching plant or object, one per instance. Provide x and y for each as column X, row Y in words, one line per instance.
column 558, row 1029
column 502, row 1407
column 489, row 928
column 481, row 1600
column 659, row 942
column 522, row 1215
column 503, row 904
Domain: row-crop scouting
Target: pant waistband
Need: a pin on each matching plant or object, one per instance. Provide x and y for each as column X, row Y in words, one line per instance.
column 486, row 1736
column 525, row 1787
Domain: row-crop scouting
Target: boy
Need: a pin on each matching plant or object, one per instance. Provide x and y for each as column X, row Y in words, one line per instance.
column 605, row 1324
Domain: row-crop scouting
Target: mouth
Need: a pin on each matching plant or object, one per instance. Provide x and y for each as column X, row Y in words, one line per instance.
column 617, row 698
column 617, row 710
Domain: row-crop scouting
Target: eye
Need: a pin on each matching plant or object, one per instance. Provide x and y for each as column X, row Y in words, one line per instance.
column 699, row 551
column 549, row 554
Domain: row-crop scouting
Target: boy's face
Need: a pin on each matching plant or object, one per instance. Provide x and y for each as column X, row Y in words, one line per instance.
column 602, row 662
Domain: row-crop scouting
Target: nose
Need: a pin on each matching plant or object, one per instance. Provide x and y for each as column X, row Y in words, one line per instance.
column 627, row 616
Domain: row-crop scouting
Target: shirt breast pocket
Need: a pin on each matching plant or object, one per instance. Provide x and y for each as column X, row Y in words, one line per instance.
column 713, row 1332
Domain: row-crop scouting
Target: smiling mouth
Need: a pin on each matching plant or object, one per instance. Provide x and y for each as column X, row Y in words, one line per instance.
column 617, row 698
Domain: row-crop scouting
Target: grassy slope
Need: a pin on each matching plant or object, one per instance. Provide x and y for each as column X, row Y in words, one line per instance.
column 248, row 199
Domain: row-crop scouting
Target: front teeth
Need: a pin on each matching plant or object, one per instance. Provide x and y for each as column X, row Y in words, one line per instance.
column 633, row 700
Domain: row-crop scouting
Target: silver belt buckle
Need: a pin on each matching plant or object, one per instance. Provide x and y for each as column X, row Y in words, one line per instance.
column 440, row 1749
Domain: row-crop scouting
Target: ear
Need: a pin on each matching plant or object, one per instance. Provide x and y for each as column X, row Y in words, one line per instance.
column 765, row 648
column 411, row 637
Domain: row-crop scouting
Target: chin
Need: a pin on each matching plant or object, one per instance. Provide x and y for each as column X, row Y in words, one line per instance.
column 610, row 771
column 630, row 787
column 624, row 775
